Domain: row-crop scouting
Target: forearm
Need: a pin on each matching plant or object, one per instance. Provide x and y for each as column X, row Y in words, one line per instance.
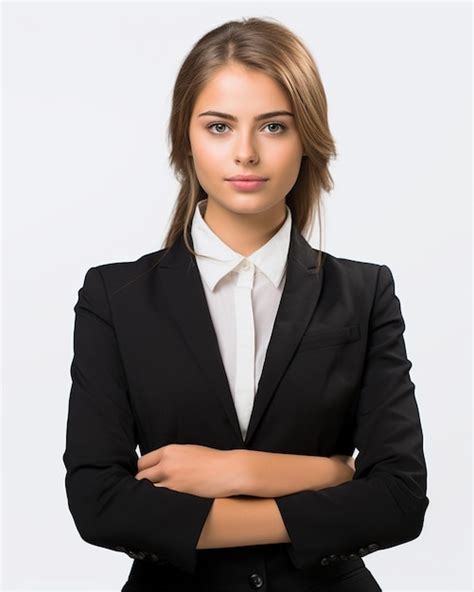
column 270, row 475
column 241, row 521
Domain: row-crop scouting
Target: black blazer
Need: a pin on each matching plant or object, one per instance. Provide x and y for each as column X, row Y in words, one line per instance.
column 147, row 371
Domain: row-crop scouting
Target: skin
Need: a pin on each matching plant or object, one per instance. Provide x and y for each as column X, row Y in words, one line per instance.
column 213, row 473
column 230, row 477
column 270, row 148
column 244, row 221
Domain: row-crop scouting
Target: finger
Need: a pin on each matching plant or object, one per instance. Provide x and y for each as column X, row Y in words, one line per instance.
column 149, row 459
column 150, row 474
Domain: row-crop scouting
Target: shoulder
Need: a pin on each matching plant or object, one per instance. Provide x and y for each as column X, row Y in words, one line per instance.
column 361, row 277
column 119, row 274
column 351, row 268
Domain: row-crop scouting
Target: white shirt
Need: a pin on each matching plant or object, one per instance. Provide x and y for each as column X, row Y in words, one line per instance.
column 243, row 295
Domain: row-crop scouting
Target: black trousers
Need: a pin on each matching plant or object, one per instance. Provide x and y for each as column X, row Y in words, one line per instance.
column 264, row 568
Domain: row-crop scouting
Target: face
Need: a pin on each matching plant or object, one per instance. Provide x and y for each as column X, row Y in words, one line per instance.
column 251, row 144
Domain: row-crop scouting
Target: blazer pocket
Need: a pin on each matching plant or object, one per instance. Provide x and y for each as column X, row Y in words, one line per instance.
column 327, row 336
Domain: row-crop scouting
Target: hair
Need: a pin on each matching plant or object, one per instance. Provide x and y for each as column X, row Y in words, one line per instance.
column 267, row 46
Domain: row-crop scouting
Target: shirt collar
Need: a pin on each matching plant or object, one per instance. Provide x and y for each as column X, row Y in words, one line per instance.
column 270, row 258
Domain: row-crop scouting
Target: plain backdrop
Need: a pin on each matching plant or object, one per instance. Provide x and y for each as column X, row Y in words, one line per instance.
column 86, row 90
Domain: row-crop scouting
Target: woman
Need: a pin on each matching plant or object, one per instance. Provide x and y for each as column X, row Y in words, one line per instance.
column 246, row 365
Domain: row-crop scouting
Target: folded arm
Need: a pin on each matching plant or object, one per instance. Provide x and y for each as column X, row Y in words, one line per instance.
column 241, row 520
column 384, row 505
column 272, row 474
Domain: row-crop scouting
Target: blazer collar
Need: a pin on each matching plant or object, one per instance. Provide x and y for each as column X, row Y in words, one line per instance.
column 179, row 279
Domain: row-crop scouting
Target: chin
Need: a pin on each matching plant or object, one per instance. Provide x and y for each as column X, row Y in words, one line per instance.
column 250, row 203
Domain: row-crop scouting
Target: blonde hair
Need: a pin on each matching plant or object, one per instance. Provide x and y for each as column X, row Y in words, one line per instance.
column 269, row 47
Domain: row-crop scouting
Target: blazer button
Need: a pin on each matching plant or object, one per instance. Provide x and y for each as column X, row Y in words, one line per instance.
column 353, row 556
column 154, row 557
column 373, row 547
column 256, row 581
column 119, row 548
column 343, row 557
column 333, row 558
column 363, row 551
column 324, row 561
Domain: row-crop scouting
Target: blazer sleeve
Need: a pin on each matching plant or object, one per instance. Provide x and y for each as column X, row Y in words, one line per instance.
column 111, row 508
column 385, row 503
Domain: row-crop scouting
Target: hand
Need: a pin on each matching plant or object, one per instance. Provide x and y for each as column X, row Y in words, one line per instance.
column 190, row 468
column 346, row 465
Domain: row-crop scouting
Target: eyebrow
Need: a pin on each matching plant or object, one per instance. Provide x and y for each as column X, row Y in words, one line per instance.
column 257, row 118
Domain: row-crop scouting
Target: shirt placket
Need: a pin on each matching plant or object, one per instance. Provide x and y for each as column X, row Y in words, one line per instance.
column 245, row 343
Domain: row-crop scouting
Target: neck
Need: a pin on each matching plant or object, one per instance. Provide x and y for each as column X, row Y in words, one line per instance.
column 244, row 233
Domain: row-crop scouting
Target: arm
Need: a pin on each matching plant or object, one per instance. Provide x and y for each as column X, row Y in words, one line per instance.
column 240, row 521
column 385, row 504
column 270, row 475
column 110, row 507
column 235, row 522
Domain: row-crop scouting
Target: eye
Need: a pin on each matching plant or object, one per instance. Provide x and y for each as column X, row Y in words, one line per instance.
column 211, row 125
column 281, row 125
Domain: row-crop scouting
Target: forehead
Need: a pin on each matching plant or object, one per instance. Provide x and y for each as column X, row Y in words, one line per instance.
column 241, row 90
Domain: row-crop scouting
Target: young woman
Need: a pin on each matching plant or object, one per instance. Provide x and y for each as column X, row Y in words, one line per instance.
column 246, row 365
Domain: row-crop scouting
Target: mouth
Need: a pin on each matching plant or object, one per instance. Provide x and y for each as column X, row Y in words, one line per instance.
column 247, row 178
column 247, row 185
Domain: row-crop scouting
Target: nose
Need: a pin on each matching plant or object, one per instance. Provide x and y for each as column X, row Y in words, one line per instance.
column 245, row 150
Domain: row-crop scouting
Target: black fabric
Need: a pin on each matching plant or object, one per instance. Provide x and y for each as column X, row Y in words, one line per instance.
column 233, row 570
column 147, row 371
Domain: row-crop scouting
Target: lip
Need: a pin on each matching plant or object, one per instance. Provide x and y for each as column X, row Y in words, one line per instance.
column 246, row 178
column 252, row 185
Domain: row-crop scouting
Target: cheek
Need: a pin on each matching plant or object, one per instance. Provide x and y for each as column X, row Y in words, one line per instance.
column 287, row 156
column 208, row 157
column 209, row 169
column 287, row 166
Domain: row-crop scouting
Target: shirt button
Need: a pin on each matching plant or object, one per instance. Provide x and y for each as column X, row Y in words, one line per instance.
column 245, row 265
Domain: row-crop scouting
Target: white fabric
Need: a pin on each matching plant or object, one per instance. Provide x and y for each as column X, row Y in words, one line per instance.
column 243, row 295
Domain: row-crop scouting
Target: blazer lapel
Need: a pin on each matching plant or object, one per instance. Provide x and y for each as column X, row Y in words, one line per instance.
column 181, row 282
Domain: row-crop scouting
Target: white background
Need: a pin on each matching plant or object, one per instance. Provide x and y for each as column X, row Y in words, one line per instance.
column 86, row 92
